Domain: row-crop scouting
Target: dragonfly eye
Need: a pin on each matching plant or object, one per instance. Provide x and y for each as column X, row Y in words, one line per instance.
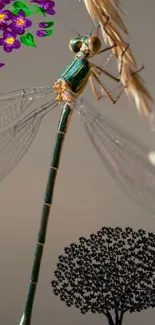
column 94, row 44
column 75, row 44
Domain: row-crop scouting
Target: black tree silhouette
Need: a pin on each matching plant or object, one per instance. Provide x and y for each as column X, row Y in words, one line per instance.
column 111, row 273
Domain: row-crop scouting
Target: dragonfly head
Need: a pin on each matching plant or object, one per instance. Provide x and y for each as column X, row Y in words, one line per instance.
column 86, row 45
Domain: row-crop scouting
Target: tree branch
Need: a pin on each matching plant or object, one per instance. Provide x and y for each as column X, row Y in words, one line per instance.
column 110, row 320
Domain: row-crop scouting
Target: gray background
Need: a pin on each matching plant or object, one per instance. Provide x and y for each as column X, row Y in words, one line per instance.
column 86, row 198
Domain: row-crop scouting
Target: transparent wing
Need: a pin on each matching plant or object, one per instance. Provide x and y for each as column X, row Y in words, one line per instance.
column 125, row 157
column 15, row 103
column 15, row 141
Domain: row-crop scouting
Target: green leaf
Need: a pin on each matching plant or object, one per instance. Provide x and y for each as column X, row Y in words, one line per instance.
column 39, row 10
column 18, row 5
column 28, row 40
column 15, row 11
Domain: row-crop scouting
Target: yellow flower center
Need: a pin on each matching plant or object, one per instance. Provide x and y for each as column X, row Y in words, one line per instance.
column 20, row 22
column 2, row 16
column 10, row 40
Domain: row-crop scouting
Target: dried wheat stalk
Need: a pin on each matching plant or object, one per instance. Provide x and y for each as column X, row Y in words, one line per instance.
column 100, row 11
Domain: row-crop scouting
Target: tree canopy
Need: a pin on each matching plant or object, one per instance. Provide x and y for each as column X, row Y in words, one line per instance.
column 110, row 273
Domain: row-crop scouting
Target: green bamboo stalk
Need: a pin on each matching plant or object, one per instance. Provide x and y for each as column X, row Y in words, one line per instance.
column 48, row 197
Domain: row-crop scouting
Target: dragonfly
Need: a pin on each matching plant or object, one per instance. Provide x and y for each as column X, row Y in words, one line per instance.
column 124, row 157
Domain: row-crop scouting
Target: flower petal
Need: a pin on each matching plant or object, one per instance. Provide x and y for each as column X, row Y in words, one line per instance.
column 13, row 33
column 51, row 4
column 8, row 48
column 6, row 34
column 3, row 26
column 14, row 18
column 12, row 26
column 17, row 44
column 51, row 11
column 2, row 41
column 28, row 23
column 41, row 33
column 7, row 1
column 20, row 30
column 21, row 14
column 8, row 14
column 36, row 1
column 2, row 5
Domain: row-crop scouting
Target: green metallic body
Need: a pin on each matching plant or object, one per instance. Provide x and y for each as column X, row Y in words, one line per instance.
column 61, row 131
column 76, row 74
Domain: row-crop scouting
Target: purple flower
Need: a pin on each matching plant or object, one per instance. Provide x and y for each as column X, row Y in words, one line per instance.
column 41, row 33
column 47, row 5
column 9, row 41
column 4, row 16
column 43, row 24
column 3, row 3
column 1, row 64
column 20, row 23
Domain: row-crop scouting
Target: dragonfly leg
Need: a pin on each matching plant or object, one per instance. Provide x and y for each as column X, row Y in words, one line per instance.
column 107, row 49
column 93, row 87
column 105, row 28
column 121, row 66
column 137, row 71
column 102, row 87
column 106, row 73
column 114, row 45
column 105, row 90
column 122, row 56
column 126, row 86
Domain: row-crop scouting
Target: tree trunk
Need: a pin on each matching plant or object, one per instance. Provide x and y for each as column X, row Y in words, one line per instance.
column 110, row 320
column 118, row 320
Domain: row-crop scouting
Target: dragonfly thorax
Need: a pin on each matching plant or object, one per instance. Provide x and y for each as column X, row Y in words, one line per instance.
column 73, row 80
column 64, row 92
